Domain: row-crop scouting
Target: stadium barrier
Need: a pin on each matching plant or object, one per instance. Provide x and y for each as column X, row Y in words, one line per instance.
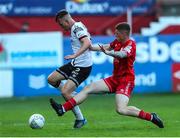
column 157, row 66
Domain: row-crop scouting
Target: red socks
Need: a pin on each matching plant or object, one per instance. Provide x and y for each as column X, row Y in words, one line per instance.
column 69, row 104
column 144, row 115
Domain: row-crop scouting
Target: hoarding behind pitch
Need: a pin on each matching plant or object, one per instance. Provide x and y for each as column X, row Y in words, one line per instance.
column 21, row 50
column 6, row 83
column 34, row 82
column 156, row 57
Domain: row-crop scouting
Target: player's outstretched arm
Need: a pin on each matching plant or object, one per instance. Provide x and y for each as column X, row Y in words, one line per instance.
column 119, row 54
column 123, row 53
column 97, row 48
column 85, row 44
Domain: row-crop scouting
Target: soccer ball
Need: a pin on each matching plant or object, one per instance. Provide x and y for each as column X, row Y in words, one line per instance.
column 36, row 121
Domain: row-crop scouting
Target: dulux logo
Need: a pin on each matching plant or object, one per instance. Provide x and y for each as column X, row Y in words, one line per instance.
column 86, row 7
column 37, row 82
column 6, row 8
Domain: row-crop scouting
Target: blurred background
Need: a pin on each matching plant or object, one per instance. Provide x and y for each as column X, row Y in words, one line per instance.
column 32, row 45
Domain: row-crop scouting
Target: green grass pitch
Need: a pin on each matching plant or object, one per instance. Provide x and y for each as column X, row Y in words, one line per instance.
column 99, row 110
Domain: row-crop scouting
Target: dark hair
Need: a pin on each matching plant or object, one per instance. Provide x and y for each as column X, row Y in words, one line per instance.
column 61, row 14
column 123, row 26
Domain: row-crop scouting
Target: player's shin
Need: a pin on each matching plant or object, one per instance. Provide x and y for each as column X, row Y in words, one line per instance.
column 145, row 115
column 76, row 110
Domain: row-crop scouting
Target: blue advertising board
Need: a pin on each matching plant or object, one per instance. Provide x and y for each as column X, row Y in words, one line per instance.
column 75, row 7
column 30, row 7
column 33, row 82
column 153, row 67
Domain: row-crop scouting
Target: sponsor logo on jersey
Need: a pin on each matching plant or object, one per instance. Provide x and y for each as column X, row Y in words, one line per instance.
column 77, row 29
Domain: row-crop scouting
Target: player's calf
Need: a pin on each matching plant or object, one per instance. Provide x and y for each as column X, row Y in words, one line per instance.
column 121, row 111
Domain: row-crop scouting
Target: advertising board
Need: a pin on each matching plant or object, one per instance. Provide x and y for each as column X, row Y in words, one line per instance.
column 157, row 67
column 21, row 50
column 75, row 7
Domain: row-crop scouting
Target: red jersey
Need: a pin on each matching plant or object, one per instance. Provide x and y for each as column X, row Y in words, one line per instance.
column 124, row 67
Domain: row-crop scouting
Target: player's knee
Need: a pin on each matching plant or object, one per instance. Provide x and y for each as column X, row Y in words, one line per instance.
column 65, row 95
column 65, row 92
column 49, row 80
column 53, row 83
column 89, row 88
column 121, row 110
column 93, row 86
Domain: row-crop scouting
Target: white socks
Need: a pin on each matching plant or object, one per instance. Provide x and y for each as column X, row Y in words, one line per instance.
column 76, row 110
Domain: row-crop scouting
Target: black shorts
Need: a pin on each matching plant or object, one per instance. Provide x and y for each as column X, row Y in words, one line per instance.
column 76, row 74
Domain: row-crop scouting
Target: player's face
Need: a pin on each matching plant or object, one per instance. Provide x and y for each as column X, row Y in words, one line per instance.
column 64, row 24
column 120, row 35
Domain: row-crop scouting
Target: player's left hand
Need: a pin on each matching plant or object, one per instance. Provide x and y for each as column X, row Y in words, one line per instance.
column 70, row 57
column 102, row 49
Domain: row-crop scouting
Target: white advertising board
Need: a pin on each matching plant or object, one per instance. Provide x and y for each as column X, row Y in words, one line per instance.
column 6, row 83
column 31, row 50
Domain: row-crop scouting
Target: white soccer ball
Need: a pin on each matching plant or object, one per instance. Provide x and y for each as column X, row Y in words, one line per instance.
column 36, row 121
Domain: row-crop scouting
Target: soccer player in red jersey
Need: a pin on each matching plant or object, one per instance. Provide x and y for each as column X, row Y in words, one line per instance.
column 123, row 49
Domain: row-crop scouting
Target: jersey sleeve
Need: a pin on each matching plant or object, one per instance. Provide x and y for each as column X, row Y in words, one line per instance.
column 130, row 49
column 80, row 32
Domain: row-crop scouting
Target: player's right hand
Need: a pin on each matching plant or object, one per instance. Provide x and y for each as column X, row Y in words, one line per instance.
column 70, row 57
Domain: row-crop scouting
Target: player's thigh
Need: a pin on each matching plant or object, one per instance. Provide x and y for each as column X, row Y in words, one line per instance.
column 98, row 87
column 55, row 76
column 80, row 74
column 121, row 101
